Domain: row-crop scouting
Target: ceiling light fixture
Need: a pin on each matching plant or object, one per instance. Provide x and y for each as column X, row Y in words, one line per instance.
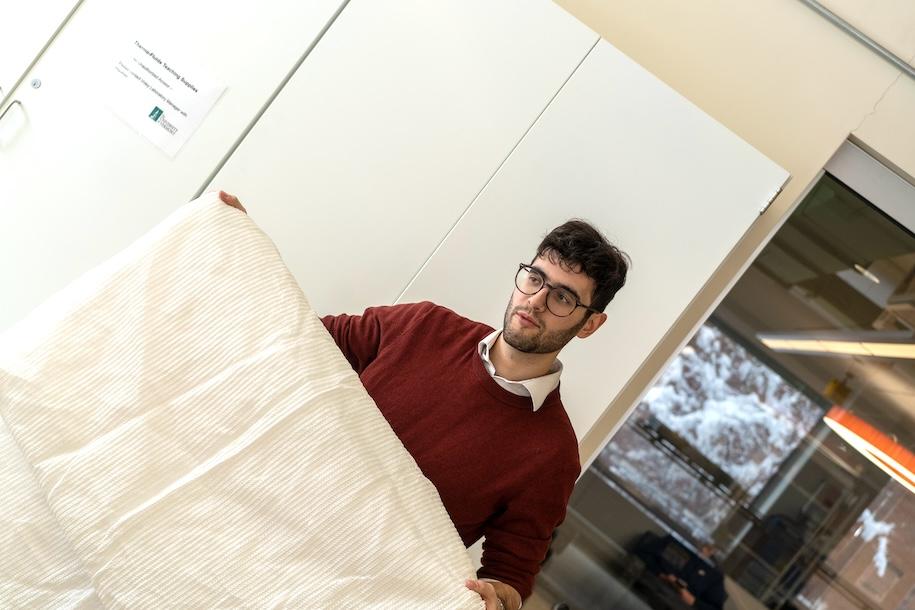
column 874, row 344
column 882, row 450
column 867, row 274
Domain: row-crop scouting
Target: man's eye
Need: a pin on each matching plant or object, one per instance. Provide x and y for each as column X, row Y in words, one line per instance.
column 534, row 280
column 564, row 297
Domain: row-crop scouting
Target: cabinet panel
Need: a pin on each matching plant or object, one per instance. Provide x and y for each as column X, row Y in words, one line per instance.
column 665, row 182
column 25, row 28
column 76, row 183
column 389, row 130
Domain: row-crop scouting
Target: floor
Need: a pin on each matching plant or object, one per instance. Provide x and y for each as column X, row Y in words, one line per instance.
column 572, row 576
column 537, row 602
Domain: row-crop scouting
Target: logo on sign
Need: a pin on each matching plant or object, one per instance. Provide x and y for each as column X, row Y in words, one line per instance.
column 156, row 113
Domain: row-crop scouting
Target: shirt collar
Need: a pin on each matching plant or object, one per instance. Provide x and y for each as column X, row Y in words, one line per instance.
column 537, row 388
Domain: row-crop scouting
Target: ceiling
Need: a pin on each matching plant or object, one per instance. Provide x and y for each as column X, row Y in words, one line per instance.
column 838, row 264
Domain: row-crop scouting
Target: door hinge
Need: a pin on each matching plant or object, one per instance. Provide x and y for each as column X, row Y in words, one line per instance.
column 772, row 197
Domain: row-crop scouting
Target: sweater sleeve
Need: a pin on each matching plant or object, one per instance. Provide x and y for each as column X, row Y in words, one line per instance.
column 358, row 337
column 361, row 337
column 518, row 538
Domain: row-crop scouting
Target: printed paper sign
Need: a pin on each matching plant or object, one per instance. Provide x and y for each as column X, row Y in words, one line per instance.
column 163, row 97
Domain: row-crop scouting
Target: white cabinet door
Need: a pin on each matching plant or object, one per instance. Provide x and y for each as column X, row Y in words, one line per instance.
column 76, row 183
column 390, row 129
column 664, row 181
column 25, row 28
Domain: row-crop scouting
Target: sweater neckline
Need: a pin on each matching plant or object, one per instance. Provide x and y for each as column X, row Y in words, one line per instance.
column 503, row 395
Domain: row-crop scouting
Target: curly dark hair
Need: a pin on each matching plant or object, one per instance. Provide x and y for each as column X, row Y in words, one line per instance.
column 577, row 246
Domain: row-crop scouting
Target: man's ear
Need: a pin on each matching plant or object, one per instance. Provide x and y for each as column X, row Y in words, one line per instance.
column 593, row 323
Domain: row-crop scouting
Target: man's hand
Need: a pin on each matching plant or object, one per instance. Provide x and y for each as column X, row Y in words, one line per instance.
column 497, row 595
column 687, row 597
column 232, row 200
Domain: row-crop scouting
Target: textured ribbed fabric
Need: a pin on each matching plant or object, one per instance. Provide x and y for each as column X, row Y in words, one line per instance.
column 198, row 441
column 38, row 568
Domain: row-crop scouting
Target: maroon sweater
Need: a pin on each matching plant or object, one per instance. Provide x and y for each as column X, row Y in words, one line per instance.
column 502, row 470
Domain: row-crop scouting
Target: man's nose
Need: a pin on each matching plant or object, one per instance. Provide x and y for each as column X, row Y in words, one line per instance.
column 537, row 300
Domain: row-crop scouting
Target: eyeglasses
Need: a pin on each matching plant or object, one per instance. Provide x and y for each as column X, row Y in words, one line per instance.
column 560, row 301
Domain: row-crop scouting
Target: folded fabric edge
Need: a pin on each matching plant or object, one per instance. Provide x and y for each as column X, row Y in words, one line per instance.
column 30, row 330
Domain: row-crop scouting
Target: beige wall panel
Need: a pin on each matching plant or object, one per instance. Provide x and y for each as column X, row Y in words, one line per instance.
column 891, row 23
column 886, row 134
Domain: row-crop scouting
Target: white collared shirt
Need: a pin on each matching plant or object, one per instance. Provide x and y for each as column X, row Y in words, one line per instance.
column 537, row 388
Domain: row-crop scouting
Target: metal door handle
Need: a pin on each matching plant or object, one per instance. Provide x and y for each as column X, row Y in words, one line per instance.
column 13, row 103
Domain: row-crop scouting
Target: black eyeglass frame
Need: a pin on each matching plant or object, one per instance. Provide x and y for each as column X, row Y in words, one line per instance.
column 549, row 287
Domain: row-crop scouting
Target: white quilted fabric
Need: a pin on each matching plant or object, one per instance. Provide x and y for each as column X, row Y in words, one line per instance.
column 193, row 438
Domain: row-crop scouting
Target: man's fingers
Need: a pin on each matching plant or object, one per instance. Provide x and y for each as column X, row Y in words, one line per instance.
column 232, row 200
column 487, row 592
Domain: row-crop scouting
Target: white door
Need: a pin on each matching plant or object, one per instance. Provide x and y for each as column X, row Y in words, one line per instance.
column 77, row 184
column 390, row 129
column 664, row 181
column 25, row 28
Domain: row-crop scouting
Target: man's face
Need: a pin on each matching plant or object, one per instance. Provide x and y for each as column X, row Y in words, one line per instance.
column 532, row 328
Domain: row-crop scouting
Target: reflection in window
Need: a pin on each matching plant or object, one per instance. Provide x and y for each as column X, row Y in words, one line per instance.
column 726, row 418
column 871, row 565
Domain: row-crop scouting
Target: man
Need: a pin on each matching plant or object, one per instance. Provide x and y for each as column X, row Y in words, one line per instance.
column 696, row 579
column 479, row 408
